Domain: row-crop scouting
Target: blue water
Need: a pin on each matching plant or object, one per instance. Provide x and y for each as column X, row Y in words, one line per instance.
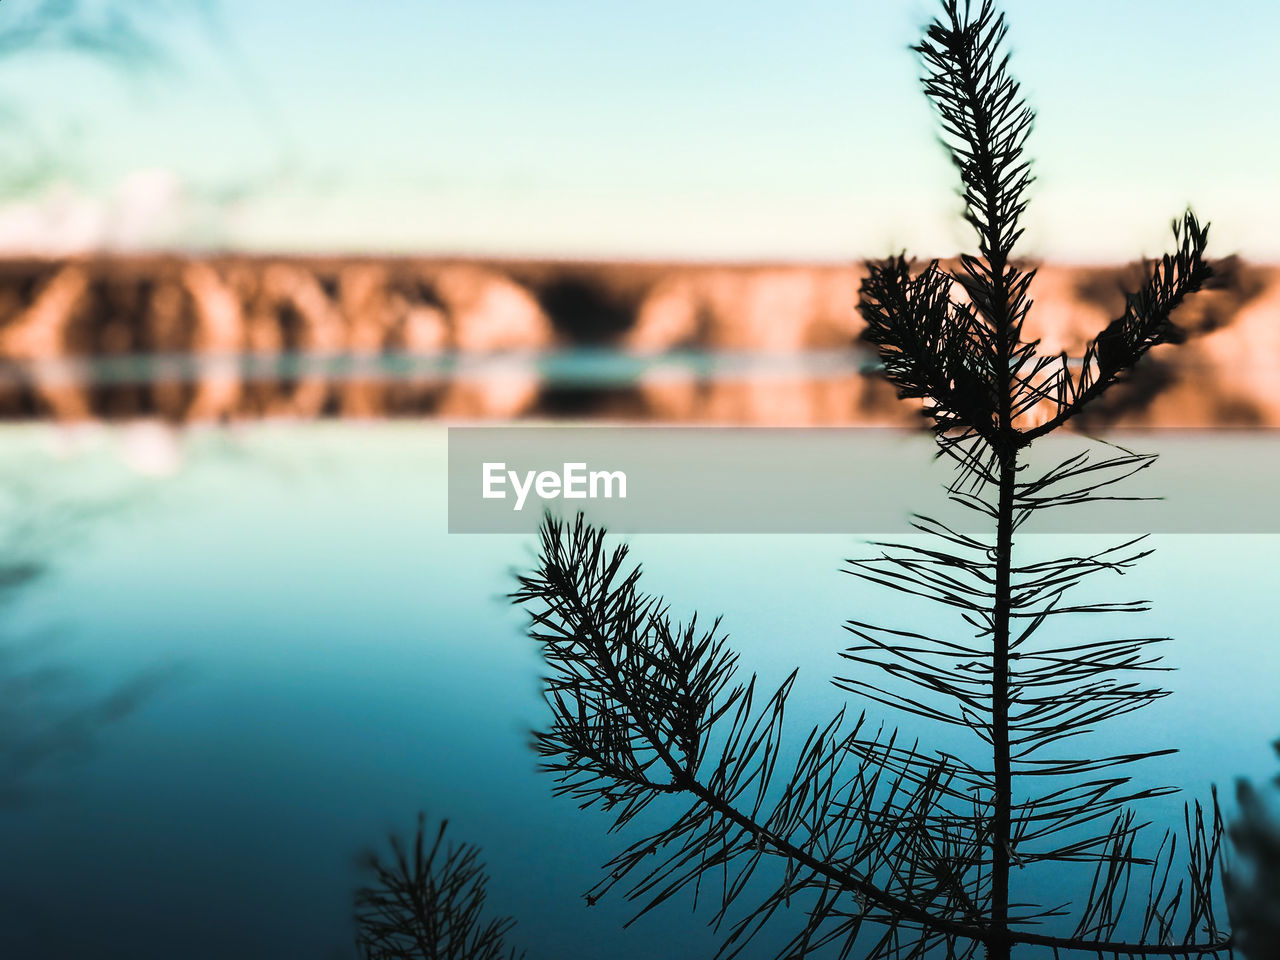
column 323, row 660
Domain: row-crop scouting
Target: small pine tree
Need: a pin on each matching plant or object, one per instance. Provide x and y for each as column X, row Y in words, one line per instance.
column 1253, row 887
column 887, row 849
column 428, row 904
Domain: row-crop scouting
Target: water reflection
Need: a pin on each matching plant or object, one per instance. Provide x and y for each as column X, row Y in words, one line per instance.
column 350, row 662
column 50, row 711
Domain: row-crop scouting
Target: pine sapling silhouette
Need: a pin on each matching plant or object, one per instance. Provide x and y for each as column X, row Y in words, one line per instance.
column 874, row 846
column 1253, row 886
column 428, row 904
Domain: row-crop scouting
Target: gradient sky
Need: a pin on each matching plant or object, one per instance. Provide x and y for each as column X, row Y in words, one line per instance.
column 702, row 128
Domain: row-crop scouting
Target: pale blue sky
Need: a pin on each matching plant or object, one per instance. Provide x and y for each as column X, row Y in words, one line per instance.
column 702, row 128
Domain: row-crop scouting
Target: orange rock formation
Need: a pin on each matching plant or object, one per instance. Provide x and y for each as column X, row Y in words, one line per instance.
column 225, row 312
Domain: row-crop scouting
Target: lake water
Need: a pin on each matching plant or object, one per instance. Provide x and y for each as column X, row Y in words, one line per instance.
column 321, row 660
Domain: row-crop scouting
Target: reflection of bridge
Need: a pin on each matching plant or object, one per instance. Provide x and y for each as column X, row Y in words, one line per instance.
column 195, row 339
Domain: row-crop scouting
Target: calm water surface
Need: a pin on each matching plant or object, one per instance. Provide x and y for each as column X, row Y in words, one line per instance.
column 322, row 660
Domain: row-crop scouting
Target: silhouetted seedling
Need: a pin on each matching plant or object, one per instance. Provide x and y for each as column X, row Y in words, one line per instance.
column 877, row 849
column 428, row 904
column 1253, row 886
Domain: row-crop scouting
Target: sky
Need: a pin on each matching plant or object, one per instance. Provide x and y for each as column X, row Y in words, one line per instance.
column 699, row 129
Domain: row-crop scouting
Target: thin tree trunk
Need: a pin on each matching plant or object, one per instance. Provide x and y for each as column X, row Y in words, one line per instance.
column 999, row 947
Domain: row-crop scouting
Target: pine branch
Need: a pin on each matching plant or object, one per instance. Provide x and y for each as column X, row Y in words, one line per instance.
column 930, row 348
column 1147, row 322
column 616, row 694
column 985, row 124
